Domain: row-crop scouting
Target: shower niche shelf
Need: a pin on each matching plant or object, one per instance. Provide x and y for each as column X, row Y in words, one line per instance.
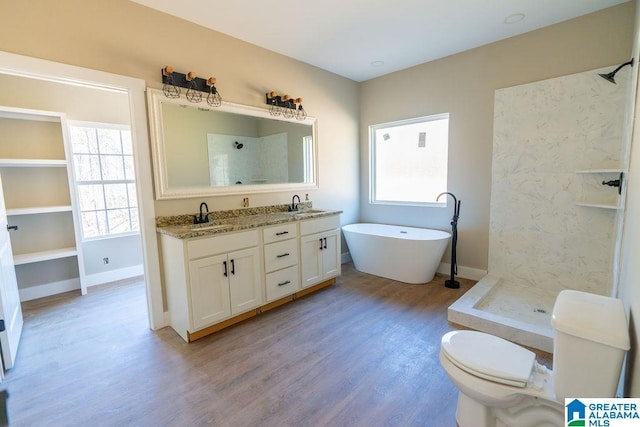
column 594, row 193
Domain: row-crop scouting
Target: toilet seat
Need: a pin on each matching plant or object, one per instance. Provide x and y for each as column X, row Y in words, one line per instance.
column 489, row 357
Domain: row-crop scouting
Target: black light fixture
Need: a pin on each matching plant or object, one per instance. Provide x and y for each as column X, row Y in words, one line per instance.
column 610, row 76
column 172, row 81
column 285, row 106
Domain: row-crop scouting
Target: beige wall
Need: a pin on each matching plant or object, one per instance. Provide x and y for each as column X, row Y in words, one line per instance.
column 464, row 85
column 125, row 38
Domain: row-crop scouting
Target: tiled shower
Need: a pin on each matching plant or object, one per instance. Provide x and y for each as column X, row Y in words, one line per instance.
column 553, row 224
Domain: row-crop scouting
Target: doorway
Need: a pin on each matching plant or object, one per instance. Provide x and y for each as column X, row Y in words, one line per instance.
column 70, row 81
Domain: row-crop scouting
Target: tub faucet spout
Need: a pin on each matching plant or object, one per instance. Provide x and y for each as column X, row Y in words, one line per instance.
column 294, row 205
column 204, row 215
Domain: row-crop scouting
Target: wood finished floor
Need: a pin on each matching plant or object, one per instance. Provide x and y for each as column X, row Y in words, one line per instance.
column 363, row 352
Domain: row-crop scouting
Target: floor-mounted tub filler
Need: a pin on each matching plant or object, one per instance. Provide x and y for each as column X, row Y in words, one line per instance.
column 405, row 254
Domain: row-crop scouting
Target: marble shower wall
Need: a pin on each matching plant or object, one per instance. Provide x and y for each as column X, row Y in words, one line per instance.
column 543, row 133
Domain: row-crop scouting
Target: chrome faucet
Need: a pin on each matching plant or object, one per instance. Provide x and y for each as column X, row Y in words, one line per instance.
column 294, row 205
column 204, row 216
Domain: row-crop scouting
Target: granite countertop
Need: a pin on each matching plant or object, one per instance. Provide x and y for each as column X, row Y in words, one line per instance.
column 236, row 223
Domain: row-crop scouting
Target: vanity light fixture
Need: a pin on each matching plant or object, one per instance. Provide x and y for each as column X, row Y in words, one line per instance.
column 168, row 85
column 214, row 99
column 285, row 106
column 172, row 81
column 192, row 92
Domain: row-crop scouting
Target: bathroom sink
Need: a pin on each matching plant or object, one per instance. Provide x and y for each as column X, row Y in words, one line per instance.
column 207, row 227
column 306, row 212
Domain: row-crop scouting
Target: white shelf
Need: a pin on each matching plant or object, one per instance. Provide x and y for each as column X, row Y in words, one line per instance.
column 44, row 256
column 32, row 163
column 601, row 171
column 35, row 115
column 598, row 205
column 38, row 210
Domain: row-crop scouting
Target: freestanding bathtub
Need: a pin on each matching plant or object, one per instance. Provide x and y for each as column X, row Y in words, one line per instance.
column 405, row 254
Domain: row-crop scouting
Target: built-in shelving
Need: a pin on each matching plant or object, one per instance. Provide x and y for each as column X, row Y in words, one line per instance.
column 38, row 210
column 594, row 198
column 603, row 171
column 44, row 255
column 598, row 205
column 34, row 161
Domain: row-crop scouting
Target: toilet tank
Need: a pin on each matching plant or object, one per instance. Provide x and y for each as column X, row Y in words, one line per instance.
column 591, row 338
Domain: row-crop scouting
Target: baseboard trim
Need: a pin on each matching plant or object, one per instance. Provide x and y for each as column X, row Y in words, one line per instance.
column 443, row 268
column 113, row 275
column 48, row 289
column 464, row 272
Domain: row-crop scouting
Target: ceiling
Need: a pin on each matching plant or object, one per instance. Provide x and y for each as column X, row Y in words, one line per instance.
column 363, row 39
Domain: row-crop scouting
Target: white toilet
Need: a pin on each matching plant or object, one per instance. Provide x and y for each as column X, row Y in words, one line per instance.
column 502, row 385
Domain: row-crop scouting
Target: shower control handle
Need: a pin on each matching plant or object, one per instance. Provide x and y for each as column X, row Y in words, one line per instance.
column 615, row 183
column 12, row 227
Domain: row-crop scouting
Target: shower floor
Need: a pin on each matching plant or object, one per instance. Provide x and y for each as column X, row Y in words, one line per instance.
column 512, row 311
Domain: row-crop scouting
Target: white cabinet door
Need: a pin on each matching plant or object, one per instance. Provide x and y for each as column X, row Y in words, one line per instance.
column 320, row 257
column 209, row 290
column 10, row 309
column 311, row 260
column 330, row 255
column 245, row 284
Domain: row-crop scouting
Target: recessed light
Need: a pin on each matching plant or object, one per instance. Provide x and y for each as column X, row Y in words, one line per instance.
column 512, row 19
column 376, row 64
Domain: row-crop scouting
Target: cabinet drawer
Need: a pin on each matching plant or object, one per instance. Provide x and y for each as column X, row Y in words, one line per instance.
column 312, row 226
column 280, row 232
column 280, row 255
column 198, row 248
column 282, row 283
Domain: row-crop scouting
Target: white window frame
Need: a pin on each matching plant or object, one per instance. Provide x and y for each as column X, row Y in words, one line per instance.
column 76, row 182
column 307, row 154
column 372, row 161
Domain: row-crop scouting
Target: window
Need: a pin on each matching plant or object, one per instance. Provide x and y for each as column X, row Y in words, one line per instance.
column 409, row 161
column 307, row 156
column 104, row 178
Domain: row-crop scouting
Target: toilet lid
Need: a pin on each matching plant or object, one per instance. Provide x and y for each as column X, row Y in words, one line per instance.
column 489, row 357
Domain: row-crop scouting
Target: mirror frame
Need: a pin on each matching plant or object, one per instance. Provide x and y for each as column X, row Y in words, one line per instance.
column 156, row 98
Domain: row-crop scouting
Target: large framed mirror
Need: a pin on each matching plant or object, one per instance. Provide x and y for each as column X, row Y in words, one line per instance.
column 201, row 151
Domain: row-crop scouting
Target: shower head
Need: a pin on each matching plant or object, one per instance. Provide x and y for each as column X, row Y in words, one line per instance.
column 610, row 76
column 238, row 145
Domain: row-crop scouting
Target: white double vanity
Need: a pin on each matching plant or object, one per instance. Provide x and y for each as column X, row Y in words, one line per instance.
column 220, row 273
column 244, row 261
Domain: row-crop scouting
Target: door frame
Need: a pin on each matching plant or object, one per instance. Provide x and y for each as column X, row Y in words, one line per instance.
column 24, row 66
